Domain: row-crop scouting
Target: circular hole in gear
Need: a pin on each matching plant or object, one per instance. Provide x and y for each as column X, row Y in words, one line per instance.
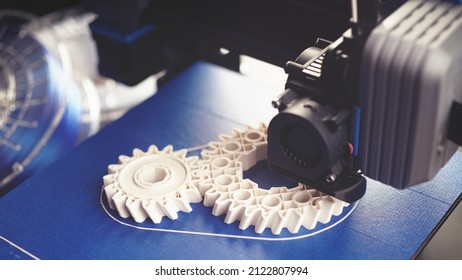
column 231, row 147
column 220, row 162
column 302, row 197
column 253, row 136
column 241, row 195
column 223, row 180
column 152, row 174
column 270, row 201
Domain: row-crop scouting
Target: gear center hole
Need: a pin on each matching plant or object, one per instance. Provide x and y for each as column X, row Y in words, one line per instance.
column 151, row 175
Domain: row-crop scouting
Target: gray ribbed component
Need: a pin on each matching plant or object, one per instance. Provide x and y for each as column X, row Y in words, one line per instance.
column 411, row 73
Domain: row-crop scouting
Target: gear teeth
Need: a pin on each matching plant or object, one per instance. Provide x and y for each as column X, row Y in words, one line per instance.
column 110, row 191
column 210, row 199
column 167, row 149
column 113, row 168
column 224, row 137
column 181, row 153
column 119, row 200
column 124, row 159
column 109, row 178
column 250, row 217
column 310, row 216
column 137, row 152
column 132, row 186
column 152, row 149
column 136, row 210
column 181, row 203
column 169, row 208
column 152, row 184
column 154, row 211
column 192, row 193
column 224, row 188
column 233, row 214
column 338, row 207
column 192, row 160
column 328, row 206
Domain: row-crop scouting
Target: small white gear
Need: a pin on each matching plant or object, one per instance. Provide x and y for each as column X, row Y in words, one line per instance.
column 152, row 184
column 224, row 188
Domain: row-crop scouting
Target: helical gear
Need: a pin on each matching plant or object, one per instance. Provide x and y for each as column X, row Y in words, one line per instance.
column 152, row 184
column 157, row 183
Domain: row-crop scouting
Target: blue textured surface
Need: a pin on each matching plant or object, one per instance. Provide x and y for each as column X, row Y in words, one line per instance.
column 57, row 213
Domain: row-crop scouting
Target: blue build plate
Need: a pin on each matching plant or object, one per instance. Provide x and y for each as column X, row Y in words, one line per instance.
column 60, row 213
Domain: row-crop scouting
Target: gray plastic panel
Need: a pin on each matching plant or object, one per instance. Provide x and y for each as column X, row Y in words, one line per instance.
column 410, row 72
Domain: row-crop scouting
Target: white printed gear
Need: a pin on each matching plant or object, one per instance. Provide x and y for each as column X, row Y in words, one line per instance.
column 224, row 188
column 152, row 184
column 156, row 183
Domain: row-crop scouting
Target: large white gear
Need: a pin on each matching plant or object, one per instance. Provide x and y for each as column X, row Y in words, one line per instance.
column 152, row 184
column 224, row 188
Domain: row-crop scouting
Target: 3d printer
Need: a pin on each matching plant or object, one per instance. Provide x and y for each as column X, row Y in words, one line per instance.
column 383, row 98
column 378, row 95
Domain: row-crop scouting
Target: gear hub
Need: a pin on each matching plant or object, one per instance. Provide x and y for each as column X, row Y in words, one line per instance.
column 152, row 184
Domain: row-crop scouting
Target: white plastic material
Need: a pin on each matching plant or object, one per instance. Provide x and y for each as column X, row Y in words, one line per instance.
column 152, row 184
column 224, row 188
column 157, row 183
